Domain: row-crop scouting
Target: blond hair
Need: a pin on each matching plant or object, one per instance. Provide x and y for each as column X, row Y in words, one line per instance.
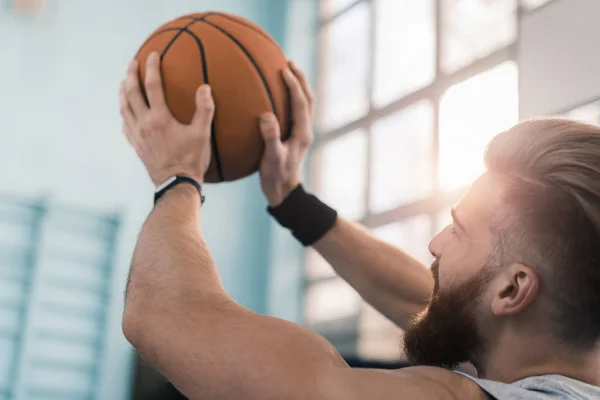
column 550, row 216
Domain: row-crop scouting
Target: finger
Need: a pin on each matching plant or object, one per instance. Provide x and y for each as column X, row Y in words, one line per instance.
column 271, row 133
column 302, row 133
column 128, row 117
column 305, row 85
column 205, row 108
column 134, row 93
column 128, row 135
column 153, row 84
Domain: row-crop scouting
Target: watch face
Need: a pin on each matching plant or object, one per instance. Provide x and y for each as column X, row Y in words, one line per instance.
column 165, row 183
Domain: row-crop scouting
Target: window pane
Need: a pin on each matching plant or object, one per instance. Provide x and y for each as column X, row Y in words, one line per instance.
column 316, row 266
column 344, row 55
column 402, row 155
column 330, row 300
column 589, row 113
column 379, row 338
column 332, row 7
column 343, row 174
column 532, row 4
column 471, row 113
column 411, row 235
column 405, row 48
column 473, row 29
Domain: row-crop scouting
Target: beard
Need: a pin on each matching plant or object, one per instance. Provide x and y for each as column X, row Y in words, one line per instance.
column 446, row 333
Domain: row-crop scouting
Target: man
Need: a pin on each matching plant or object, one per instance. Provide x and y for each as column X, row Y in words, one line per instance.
column 514, row 288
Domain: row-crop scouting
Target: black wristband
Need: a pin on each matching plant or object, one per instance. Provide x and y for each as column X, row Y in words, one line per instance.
column 305, row 215
column 174, row 181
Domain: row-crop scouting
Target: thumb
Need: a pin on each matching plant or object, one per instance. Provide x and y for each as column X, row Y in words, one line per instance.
column 271, row 133
column 205, row 107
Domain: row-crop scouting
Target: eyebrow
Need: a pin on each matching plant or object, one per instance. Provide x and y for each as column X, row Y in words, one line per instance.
column 457, row 221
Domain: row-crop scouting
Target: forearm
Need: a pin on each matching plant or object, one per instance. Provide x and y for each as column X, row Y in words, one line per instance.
column 171, row 266
column 181, row 321
column 389, row 279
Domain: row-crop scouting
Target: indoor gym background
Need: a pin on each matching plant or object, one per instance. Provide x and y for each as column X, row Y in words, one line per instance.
column 431, row 82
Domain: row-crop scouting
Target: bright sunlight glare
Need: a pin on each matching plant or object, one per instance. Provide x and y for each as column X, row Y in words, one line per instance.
column 471, row 113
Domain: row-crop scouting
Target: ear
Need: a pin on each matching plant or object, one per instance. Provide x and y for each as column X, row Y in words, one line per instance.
column 516, row 289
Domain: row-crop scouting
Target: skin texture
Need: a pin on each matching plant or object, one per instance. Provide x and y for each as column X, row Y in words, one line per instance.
column 177, row 314
column 472, row 308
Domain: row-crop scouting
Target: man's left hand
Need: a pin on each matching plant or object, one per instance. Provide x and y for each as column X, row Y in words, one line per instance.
column 165, row 146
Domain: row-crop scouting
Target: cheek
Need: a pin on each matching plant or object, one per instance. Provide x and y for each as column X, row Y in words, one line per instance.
column 454, row 269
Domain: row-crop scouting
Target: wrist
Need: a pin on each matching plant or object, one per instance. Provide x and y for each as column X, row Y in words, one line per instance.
column 304, row 215
column 174, row 185
column 281, row 192
column 187, row 191
column 161, row 177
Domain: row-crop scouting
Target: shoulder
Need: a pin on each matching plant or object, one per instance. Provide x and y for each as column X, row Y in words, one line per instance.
column 415, row 383
column 448, row 382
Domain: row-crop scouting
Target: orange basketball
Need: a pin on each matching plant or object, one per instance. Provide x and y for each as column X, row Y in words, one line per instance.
column 242, row 63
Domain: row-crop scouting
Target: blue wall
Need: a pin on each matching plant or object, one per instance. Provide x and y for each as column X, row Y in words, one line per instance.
column 60, row 137
column 286, row 276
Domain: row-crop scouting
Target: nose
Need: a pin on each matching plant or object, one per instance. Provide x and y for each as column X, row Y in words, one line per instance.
column 436, row 244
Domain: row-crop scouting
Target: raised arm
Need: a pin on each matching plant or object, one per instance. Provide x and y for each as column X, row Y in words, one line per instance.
column 179, row 317
column 386, row 277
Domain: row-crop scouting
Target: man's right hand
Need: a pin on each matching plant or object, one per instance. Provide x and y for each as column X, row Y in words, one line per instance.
column 281, row 166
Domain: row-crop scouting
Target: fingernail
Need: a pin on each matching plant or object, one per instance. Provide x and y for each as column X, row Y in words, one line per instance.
column 153, row 56
column 205, row 90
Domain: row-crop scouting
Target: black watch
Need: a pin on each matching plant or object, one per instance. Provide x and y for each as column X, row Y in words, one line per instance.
column 174, row 181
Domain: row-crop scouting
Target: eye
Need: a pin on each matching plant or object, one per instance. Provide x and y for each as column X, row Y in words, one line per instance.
column 453, row 229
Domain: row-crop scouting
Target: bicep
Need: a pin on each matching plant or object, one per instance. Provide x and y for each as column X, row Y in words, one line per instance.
column 237, row 354
column 232, row 353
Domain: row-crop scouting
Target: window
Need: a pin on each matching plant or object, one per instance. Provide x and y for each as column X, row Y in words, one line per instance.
column 404, row 48
column 401, row 157
column 412, row 235
column 345, row 68
column 343, row 178
column 332, row 299
column 410, row 93
column 472, row 29
column 471, row 113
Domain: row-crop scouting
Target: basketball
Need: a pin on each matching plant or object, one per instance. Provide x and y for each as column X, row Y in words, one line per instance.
column 242, row 63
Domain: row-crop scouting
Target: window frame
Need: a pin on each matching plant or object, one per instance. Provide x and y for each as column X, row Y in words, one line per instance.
column 438, row 200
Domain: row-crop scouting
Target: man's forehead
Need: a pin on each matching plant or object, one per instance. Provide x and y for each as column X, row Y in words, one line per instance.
column 480, row 201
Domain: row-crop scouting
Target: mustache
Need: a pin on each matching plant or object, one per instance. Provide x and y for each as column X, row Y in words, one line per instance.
column 435, row 268
column 435, row 272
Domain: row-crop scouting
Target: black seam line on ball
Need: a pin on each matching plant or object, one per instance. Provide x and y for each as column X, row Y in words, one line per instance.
column 227, row 17
column 155, row 34
column 213, row 132
column 288, row 133
column 262, row 77
column 175, row 38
